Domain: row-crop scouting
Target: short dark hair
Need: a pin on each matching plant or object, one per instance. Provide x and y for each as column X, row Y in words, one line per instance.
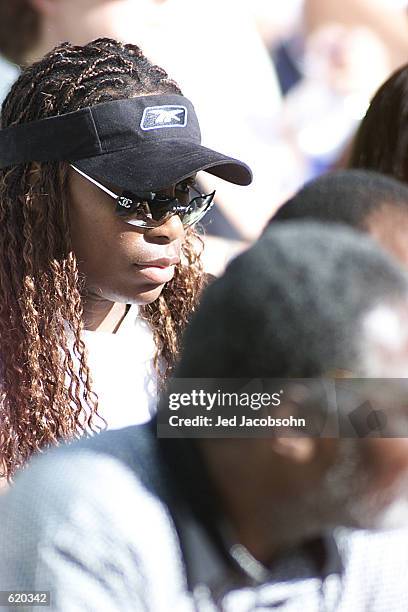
column 291, row 306
column 344, row 196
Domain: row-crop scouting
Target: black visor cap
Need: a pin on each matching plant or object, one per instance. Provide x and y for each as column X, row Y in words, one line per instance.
column 138, row 144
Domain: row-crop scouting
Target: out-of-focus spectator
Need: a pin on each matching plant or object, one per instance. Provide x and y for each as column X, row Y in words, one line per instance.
column 19, row 29
column 330, row 64
column 131, row 521
column 331, row 57
column 387, row 19
column 381, row 142
column 366, row 201
column 342, row 69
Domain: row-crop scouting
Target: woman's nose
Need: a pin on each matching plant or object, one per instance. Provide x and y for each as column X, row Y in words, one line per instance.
column 168, row 232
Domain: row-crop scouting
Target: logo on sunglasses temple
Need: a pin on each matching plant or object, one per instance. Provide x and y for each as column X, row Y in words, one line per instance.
column 124, row 202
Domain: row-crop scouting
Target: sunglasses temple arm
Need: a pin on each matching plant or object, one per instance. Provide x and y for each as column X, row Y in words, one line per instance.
column 91, row 180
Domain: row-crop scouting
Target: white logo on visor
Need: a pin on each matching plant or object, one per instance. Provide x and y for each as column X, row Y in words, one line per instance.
column 155, row 117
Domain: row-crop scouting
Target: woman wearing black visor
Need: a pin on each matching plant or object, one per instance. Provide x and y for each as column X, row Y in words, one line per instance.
column 99, row 264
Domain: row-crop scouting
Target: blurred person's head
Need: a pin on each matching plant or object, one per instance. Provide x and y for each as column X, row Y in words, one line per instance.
column 31, row 28
column 338, row 55
column 381, row 142
column 366, row 201
column 19, row 29
column 291, row 306
column 297, row 305
column 65, row 243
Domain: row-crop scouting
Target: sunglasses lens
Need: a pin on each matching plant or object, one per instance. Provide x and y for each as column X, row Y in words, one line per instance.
column 134, row 211
column 197, row 208
column 150, row 214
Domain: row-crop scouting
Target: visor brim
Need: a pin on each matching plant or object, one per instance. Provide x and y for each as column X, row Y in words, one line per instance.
column 142, row 169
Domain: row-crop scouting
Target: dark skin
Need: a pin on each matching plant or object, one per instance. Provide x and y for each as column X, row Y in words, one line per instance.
column 388, row 225
column 122, row 264
column 254, row 476
column 263, row 484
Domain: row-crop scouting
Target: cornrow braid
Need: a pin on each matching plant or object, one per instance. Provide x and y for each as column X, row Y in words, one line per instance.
column 41, row 315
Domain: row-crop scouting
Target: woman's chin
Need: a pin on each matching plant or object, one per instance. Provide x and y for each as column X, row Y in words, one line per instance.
column 149, row 295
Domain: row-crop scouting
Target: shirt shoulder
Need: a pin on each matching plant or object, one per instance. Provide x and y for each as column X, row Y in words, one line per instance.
column 83, row 526
column 375, row 567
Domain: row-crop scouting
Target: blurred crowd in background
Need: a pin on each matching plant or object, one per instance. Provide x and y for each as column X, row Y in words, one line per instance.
column 282, row 85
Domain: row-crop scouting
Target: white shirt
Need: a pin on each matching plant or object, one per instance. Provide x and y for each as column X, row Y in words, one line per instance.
column 122, row 371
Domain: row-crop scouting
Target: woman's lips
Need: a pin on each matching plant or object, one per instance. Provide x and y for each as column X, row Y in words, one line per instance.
column 159, row 271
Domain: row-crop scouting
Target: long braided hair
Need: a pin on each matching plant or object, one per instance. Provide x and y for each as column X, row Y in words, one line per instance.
column 45, row 396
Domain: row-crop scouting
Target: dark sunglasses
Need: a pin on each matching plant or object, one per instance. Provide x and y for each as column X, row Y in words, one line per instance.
column 150, row 210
